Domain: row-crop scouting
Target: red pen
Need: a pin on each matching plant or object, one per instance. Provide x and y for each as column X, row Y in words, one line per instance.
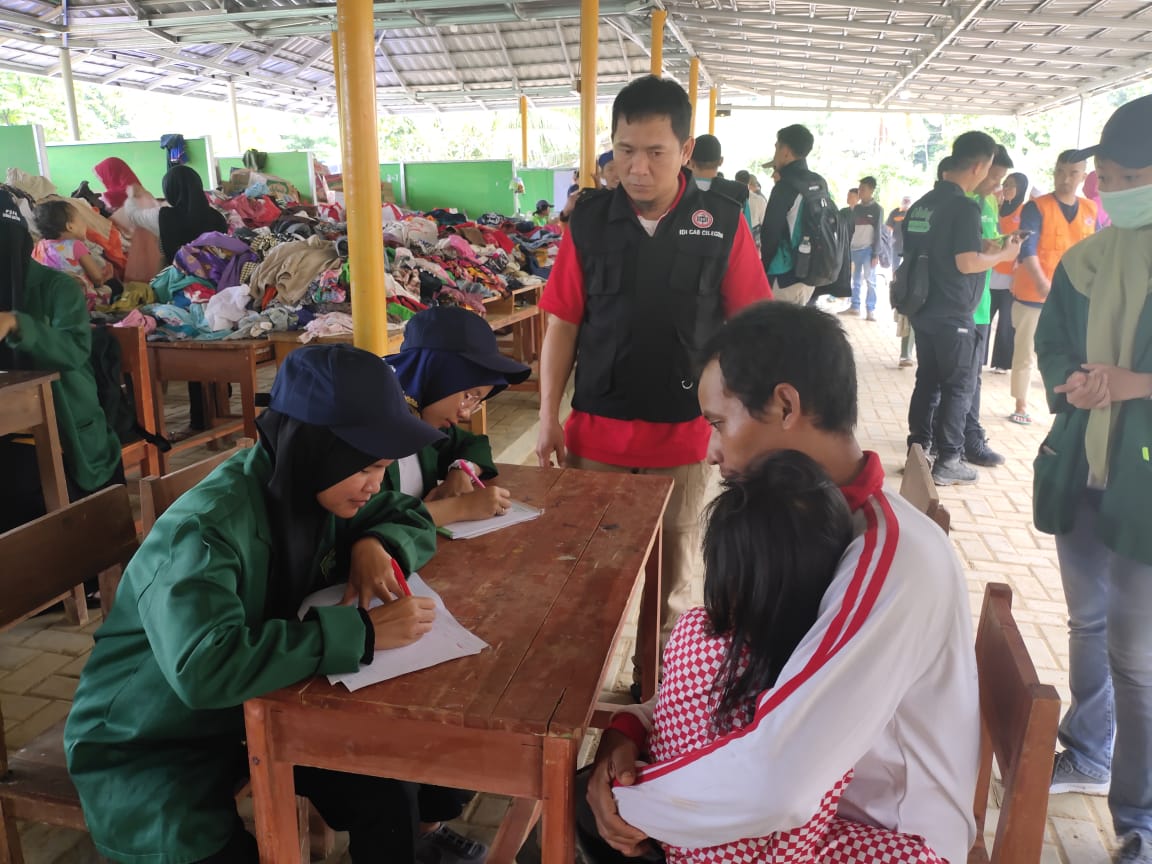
column 400, row 580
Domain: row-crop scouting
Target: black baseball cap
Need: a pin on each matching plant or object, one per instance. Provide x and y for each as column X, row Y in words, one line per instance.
column 707, row 149
column 1126, row 137
column 543, row 204
column 353, row 393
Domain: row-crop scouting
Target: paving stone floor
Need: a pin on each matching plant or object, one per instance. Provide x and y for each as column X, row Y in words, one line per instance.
column 991, row 527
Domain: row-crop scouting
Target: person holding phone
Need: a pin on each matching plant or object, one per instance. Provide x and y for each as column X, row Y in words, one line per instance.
column 1049, row 227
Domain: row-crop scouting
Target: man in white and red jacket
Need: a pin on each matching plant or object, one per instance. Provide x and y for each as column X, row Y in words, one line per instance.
column 884, row 683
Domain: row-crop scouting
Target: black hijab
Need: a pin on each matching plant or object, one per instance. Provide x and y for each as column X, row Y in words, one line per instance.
column 306, row 459
column 188, row 214
column 15, row 253
column 1011, row 205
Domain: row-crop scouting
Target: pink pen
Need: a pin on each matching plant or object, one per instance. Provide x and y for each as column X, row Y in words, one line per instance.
column 467, row 469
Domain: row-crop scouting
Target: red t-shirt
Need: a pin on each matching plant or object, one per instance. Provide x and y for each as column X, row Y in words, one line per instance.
column 639, row 443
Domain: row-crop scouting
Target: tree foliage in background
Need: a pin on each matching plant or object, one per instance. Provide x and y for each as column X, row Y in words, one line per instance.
column 102, row 111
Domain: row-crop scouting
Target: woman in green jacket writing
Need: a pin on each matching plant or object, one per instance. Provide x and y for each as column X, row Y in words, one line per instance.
column 1094, row 484
column 448, row 365
column 44, row 326
column 206, row 617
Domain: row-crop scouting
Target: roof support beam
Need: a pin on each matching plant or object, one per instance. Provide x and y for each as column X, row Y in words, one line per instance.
column 1015, row 56
column 507, row 57
column 747, row 18
column 31, row 21
column 1131, row 74
column 1057, row 41
column 798, row 36
column 944, row 40
column 564, row 50
column 1094, row 21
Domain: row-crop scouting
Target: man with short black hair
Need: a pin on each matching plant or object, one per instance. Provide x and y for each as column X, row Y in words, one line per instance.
column 945, row 226
column 884, row 683
column 643, row 278
column 867, row 221
column 783, row 220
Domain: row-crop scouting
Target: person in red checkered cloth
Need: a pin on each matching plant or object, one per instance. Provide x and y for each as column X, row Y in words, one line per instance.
column 881, row 686
column 771, row 548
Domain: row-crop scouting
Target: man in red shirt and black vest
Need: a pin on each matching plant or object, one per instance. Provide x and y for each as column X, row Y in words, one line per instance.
column 645, row 276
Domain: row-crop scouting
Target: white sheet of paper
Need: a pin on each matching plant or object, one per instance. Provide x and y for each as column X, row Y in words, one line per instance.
column 517, row 513
column 447, row 640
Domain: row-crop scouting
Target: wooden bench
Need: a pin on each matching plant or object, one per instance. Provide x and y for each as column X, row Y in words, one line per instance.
column 135, row 367
column 920, row 490
column 1018, row 721
column 99, row 536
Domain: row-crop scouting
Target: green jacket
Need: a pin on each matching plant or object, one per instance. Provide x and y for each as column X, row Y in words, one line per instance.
column 154, row 739
column 436, row 458
column 989, row 230
column 1061, row 467
column 55, row 335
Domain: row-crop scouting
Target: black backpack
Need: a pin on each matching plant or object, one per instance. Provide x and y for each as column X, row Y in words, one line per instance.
column 823, row 236
column 909, row 289
column 115, row 392
column 886, row 239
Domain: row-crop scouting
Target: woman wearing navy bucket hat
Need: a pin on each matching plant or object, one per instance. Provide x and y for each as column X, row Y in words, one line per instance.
column 206, row 617
column 448, row 365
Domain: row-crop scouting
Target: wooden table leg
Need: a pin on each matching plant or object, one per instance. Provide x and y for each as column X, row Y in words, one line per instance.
column 518, row 823
column 248, row 397
column 648, row 630
column 273, row 792
column 54, row 488
column 558, row 825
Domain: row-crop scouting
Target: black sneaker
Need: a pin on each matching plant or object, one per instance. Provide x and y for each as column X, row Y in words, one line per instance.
column 445, row 846
column 954, row 473
column 983, row 455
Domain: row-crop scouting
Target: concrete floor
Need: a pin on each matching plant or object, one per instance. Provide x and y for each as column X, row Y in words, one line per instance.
column 991, row 529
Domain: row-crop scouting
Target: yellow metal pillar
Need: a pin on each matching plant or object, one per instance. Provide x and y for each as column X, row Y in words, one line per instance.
column 589, row 48
column 713, row 98
column 337, row 80
column 356, row 72
column 693, row 88
column 659, row 17
column 523, row 131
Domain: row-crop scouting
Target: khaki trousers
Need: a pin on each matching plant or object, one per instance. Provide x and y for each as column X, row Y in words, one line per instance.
column 797, row 293
column 1024, row 319
column 682, row 580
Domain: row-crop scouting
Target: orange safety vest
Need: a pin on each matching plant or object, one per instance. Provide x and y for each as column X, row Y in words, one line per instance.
column 1057, row 236
column 1009, row 224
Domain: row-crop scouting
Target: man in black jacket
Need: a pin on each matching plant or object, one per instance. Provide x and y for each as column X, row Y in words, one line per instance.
column 780, row 232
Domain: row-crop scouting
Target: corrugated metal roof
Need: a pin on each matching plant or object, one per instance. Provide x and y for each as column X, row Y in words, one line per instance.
column 962, row 56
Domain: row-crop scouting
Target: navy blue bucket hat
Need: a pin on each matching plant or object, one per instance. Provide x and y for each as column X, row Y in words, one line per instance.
column 354, row 394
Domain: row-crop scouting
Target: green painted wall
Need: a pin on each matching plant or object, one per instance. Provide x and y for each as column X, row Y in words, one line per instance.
column 295, row 166
column 537, row 184
column 18, row 149
column 71, row 164
column 474, row 187
column 390, row 173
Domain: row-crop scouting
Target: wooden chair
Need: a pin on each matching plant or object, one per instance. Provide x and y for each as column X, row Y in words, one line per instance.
column 920, row 490
column 55, row 553
column 1018, row 720
column 135, row 367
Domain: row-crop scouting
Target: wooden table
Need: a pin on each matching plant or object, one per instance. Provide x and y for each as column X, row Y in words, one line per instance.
column 26, row 406
column 220, row 362
column 550, row 598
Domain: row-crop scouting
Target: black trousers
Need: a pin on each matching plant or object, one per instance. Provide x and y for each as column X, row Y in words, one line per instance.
column 1004, row 343
column 945, row 378
column 380, row 815
column 22, row 499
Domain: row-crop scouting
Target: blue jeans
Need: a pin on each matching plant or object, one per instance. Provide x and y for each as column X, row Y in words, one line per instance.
column 1108, row 728
column 862, row 269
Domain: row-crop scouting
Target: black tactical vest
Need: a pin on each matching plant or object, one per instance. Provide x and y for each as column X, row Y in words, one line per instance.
column 651, row 302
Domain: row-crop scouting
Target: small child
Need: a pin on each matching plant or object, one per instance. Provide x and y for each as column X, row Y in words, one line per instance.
column 62, row 248
column 543, row 214
column 773, row 541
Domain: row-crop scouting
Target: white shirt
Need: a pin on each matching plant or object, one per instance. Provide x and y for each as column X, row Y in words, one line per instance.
column 411, row 477
column 884, row 683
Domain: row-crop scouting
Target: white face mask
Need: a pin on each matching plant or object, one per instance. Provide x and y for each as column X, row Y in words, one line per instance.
column 1131, row 208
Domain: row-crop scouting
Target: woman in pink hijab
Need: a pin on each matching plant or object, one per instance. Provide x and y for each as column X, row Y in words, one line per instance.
column 1092, row 193
column 125, row 194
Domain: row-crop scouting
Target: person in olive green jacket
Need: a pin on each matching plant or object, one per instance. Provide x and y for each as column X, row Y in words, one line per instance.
column 1093, row 484
column 206, row 617
column 44, row 326
column 448, row 365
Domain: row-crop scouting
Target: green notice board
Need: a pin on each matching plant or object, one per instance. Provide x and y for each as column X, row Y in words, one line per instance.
column 71, row 164
column 537, row 184
column 18, row 149
column 295, row 166
column 474, row 187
